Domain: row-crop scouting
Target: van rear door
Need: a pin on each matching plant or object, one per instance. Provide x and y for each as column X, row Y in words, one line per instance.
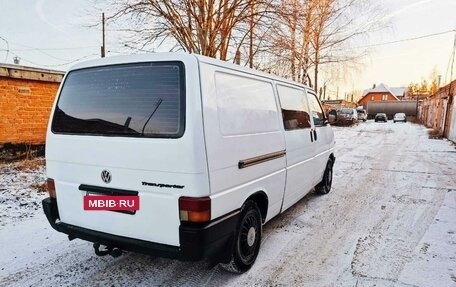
column 135, row 121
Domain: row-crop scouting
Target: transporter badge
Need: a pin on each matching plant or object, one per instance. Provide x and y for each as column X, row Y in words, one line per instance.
column 106, row 176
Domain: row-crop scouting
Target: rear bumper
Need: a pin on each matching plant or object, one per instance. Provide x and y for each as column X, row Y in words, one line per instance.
column 197, row 241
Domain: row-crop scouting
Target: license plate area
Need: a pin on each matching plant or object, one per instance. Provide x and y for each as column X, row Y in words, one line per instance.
column 111, row 199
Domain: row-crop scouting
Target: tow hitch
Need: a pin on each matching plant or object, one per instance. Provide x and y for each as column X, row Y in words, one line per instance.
column 109, row 250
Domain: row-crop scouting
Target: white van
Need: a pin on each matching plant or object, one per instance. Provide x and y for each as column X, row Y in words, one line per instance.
column 212, row 149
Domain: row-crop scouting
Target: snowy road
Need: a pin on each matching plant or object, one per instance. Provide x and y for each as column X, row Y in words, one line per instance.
column 390, row 220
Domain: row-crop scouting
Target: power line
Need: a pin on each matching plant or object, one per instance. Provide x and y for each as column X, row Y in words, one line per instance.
column 451, row 61
column 52, row 49
column 55, row 65
column 402, row 40
column 7, row 48
column 28, row 47
column 42, row 52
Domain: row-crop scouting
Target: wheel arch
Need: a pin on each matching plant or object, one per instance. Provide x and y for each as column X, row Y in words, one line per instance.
column 261, row 199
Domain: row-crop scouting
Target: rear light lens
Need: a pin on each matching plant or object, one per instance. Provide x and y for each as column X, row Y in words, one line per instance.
column 195, row 209
column 50, row 187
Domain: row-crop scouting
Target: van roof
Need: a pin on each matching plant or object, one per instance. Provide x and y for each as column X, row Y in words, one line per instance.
column 136, row 58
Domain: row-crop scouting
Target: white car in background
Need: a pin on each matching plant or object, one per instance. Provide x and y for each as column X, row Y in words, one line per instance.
column 362, row 115
column 399, row 117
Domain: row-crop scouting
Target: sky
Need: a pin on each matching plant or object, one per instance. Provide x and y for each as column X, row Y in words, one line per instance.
column 53, row 34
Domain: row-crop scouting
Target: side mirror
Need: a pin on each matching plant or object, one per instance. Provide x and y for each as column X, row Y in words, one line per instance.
column 332, row 116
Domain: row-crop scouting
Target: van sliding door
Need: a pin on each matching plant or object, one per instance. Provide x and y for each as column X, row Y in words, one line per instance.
column 299, row 143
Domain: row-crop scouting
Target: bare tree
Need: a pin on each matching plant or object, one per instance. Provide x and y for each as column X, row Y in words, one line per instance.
column 346, row 22
column 291, row 38
column 314, row 33
column 207, row 27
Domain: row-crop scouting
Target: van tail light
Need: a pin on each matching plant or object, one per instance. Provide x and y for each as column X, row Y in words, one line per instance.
column 195, row 209
column 50, row 187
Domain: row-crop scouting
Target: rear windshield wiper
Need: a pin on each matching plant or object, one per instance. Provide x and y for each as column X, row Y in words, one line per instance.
column 159, row 101
column 113, row 127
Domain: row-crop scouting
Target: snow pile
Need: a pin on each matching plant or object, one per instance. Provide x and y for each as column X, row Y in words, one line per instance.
column 21, row 190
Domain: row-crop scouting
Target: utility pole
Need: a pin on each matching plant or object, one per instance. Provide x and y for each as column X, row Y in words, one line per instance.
column 103, row 48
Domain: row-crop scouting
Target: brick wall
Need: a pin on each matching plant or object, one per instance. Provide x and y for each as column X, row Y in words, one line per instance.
column 376, row 97
column 25, row 106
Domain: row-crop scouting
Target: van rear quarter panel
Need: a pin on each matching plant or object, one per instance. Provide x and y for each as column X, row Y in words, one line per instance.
column 230, row 185
column 73, row 160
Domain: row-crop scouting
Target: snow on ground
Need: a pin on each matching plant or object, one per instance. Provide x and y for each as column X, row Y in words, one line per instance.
column 20, row 194
column 390, row 220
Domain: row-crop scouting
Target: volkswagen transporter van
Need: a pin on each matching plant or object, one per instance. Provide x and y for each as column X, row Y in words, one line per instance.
column 210, row 150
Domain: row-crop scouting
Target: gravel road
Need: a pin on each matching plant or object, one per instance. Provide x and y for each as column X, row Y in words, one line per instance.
column 390, row 220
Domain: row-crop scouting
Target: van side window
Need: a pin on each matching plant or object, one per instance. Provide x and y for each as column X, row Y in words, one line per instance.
column 245, row 105
column 295, row 112
column 316, row 110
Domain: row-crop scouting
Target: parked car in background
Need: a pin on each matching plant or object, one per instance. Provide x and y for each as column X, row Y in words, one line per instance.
column 362, row 115
column 347, row 116
column 381, row 117
column 400, row 117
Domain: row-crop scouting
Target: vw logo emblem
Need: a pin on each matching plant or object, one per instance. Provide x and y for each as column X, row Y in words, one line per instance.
column 106, row 176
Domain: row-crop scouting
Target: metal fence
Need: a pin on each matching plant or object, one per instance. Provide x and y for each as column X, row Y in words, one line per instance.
column 390, row 108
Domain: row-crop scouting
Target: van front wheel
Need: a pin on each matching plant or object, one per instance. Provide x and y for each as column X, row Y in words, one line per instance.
column 325, row 185
column 247, row 239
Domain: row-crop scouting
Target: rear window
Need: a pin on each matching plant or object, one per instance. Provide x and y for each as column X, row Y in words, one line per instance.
column 139, row 100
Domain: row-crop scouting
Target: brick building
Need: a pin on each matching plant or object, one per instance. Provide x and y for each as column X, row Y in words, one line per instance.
column 383, row 93
column 26, row 98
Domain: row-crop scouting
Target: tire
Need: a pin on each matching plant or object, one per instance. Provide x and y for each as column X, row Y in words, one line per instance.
column 324, row 187
column 247, row 240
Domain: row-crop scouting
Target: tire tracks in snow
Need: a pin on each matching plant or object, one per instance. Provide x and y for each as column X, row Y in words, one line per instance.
column 341, row 239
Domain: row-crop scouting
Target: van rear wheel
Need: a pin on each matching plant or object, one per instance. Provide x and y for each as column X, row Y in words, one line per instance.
column 247, row 239
column 324, row 186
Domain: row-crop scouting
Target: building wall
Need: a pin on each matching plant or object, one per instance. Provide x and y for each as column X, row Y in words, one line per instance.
column 25, row 106
column 376, row 97
column 452, row 122
column 439, row 110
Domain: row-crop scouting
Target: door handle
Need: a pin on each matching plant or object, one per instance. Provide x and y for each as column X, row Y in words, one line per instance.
column 315, row 134
column 311, row 135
